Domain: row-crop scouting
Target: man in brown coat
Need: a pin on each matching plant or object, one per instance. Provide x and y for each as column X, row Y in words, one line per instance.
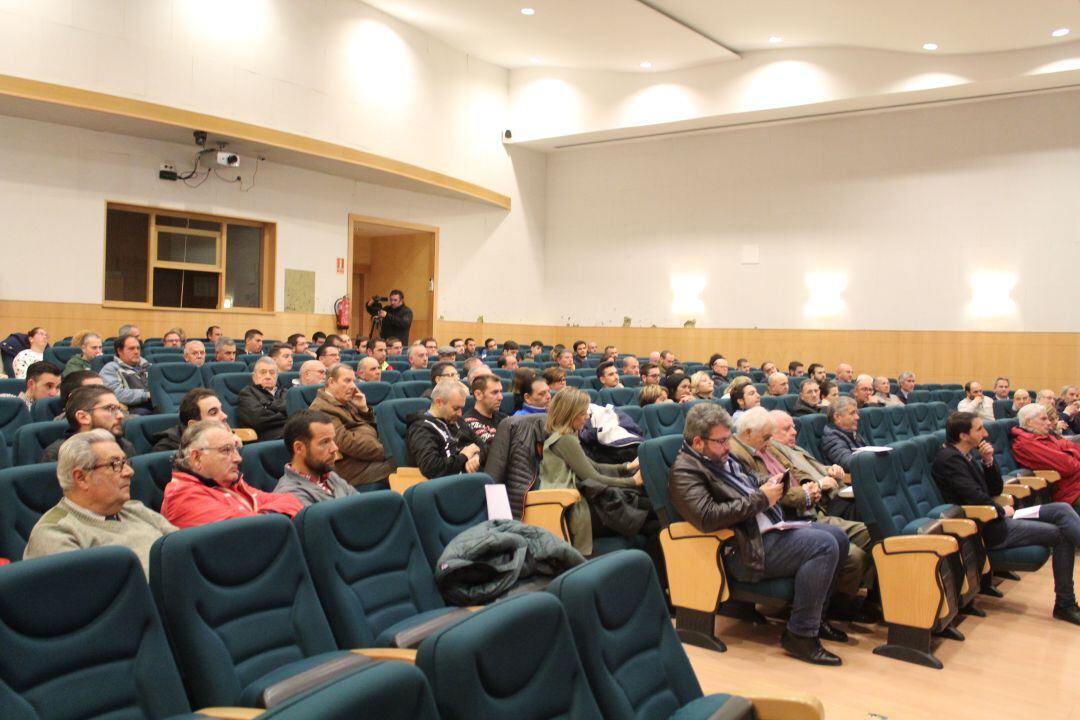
column 363, row 460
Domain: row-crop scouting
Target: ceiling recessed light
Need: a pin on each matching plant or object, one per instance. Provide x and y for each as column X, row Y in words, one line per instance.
column 1060, row 32
column 776, row 39
column 528, row 11
column 645, row 65
column 929, row 46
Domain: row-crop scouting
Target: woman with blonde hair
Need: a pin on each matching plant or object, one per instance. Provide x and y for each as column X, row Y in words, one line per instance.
column 702, row 385
column 650, row 394
column 737, row 383
column 565, row 465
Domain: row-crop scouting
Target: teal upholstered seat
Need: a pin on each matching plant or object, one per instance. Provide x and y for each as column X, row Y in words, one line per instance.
column 390, row 419
column 384, row 690
column 263, row 463
column 375, row 392
column 170, row 381
column 227, row 387
column 663, row 419
column 211, row 368
column 900, row 422
column 140, row 430
column 152, row 472
column 809, row 430
column 300, row 397
column 46, row 409
column 617, row 396
column 31, row 439
column 410, row 388
column 443, row 507
column 874, row 425
column 26, row 493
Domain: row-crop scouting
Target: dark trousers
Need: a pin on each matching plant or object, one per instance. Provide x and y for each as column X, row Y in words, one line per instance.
column 813, row 555
column 1058, row 527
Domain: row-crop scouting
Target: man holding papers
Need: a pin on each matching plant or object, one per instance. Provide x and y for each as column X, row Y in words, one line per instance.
column 712, row 492
column 964, row 480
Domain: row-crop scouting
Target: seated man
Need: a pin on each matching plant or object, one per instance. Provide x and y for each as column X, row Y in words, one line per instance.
column 42, row 381
column 128, row 376
column 328, row 354
column 261, row 405
column 484, row 417
column 905, row 385
column 436, row 441
column 712, row 492
column 778, row 384
column 650, row 374
column 73, row 382
column 507, row 362
column 975, row 402
column 459, row 347
column 468, row 348
column 368, row 370
column 608, row 375
column 882, row 394
column 132, row 330
column 965, row 481
column 195, row 352
column 442, row 372
column 581, row 354
column 816, row 372
column 312, row 372
column 363, row 460
column 630, row 366
column 841, row 436
column 212, row 334
column 742, row 365
column 611, row 353
column 224, row 349
column 796, row 369
column 1035, row 447
column 299, row 343
column 253, row 342
column 310, row 476
column 809, row 402
column 206, row 484
column 197, row 404
column 1020, row 398
column 667, row 362
column 844, row 373
column 97, row 509
column 418, row 357
column 1068, row 409
column 863, row 392
column 535, row 396
column 1001, row 389
column 817, row 487
column 281, row 354
column 565, row 359
column 447, row 353
column 376, row 349
column 173, row 337
column 431, row 345
column 90, row 348
column 491, row 348
column 91, row 407
column 768, row 368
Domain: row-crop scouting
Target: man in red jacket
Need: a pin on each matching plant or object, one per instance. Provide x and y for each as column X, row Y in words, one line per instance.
column 1034, row 447
column 207, row 487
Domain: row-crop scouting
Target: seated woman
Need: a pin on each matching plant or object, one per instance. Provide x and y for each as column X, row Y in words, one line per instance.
column 678, row 387
column 829, row 392
column 701, row 386
column 565, row 465
column 744, row 398
column 650, row 394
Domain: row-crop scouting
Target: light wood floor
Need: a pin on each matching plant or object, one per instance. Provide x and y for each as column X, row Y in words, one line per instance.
column 1016, row 663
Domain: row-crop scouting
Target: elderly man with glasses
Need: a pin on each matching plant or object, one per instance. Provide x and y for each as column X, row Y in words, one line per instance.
column 206, row 483
column 97, row 509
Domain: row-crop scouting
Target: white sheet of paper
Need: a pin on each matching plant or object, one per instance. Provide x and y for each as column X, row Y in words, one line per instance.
column 872, row 448
column 847, row 492
column 1028, row 513
column 787, row 525
column 498, row 502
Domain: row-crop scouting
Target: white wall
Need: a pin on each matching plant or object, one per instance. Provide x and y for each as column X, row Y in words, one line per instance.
column 904, row 207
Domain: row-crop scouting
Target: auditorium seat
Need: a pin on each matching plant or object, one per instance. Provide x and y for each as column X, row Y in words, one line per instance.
column 663, row 419
column 410, row 388
column 417, row 374
column 375, row 392
column 575, row 381
column 772, row 402
column 101, row 361
column 286, row 380
column 140, row 430
column 874, row 425
column 249, row 359
column 263, row 463
column 300, row 397
column 390, row 420
column 227, row 387
column 169, row 382
column 919, row 396
column 12, row 386
column 809, row 430
column 31, row 439
column 950, row 397
column 239, row 608
column 383, row 690
column 630, row 381
column 941, row 413
column 1003, row 410
column 443, row 507
column 26, row 493
column 617, row 396
column 635, row 413
column 900, row 422
column 922, row 417
column 153, row 471
column 59, row 356
column 369, row 571
column 13, row 415
column 212, row 368
column 46, row 409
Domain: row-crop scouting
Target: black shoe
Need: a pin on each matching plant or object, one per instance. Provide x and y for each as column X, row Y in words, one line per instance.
column 828, row 632
column 1068, row 613
column 807, row 649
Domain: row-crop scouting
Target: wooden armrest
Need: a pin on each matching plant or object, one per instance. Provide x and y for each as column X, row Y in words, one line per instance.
column 230, row 713
column 562, row 496
column 684, row 530
column 846, row 479
column 1005, row 500
column 985, row 513
column 1020, row 491
column 1051, row 476
column 1031, row 481
column 961, row 527
column 939, row 544
column 401, row 654
column 245, row 434
column 400, row 482
column 788, row 706
column 410, row 471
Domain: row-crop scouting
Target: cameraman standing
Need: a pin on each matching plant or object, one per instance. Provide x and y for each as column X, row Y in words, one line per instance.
column 396, row 317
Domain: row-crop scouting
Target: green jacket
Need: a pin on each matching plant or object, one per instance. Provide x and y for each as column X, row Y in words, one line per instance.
column 76, row 363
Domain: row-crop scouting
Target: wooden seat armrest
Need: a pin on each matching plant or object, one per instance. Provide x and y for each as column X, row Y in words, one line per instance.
column 846, row 479
column 684, row 530
column 401, row 654
column 1051, row 476
column 410, row 471
column 561, row 496
column 787, row 706
column 960, row 527
column 1020, row 491
column 245, row 435
column 983, row 513
column 400, row 482
column 1005, row 500
column 230, row 713
column 940, row 544
column 1031, row 481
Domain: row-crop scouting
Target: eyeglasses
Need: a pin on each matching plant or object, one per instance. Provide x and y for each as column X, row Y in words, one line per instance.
column 117, row 466
column 112, row 409
column 227, row 450
column 722, row 441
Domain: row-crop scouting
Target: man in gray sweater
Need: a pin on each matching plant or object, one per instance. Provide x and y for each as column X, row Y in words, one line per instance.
column 310, row 476
column 97, row 509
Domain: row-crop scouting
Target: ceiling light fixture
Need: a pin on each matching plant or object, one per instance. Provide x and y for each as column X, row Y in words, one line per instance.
column 1060, row 32
column 929, row 46
column 774, row 39
column 528, row 11
column 645, row 65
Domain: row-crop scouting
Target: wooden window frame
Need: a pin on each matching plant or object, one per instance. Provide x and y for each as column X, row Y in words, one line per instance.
column 269, row 253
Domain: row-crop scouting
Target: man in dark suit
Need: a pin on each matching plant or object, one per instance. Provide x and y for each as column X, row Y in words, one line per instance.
column 905, row 384
column 966, row 481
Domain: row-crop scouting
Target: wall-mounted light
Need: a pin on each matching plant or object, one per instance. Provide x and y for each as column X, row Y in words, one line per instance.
column 686, row 295
column 826, row 294
column 990, row 294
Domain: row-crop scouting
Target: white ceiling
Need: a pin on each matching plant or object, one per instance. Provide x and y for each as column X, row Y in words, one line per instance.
column 620, row 34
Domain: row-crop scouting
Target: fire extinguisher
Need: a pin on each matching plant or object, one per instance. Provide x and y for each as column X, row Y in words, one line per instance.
column 343, row 311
